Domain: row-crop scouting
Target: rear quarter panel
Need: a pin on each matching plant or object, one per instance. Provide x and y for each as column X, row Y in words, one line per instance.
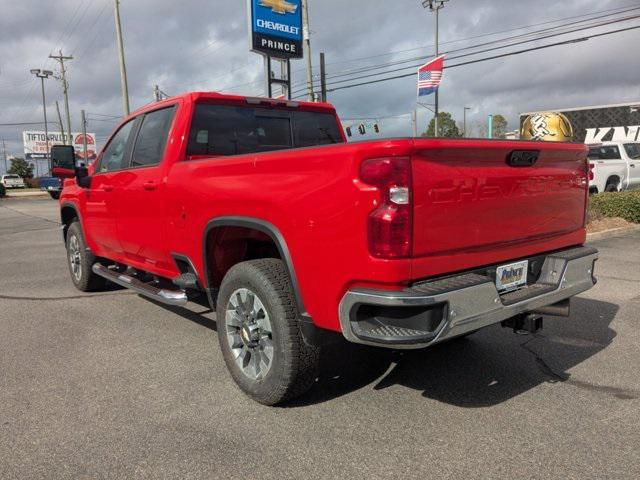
column 314, row 199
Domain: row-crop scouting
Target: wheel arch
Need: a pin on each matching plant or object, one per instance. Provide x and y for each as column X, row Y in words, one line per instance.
column 68, row 213
column 613, row 180
column 264, row 227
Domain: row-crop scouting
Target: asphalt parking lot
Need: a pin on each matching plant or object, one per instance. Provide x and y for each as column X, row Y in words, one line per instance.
column 114, row 386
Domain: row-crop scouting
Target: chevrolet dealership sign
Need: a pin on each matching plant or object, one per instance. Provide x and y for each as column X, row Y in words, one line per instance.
column 276, row 27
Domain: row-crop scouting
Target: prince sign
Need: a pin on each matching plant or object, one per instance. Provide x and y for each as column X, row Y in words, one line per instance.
column 276, row 27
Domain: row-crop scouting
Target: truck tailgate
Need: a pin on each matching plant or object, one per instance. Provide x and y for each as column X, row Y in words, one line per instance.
column 468, row 198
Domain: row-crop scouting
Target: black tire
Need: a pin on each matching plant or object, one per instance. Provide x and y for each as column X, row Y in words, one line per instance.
column 612, row 186
column 55, row 195
column 294, row 364
column 78, row 256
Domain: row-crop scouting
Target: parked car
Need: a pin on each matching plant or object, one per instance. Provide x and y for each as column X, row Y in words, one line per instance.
column 12, row 181
column 614, row 166
column 297, row 237
column 51, row 185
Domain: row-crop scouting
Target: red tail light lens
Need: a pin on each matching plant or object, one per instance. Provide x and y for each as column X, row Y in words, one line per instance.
column 591, row 172
column 390, row 224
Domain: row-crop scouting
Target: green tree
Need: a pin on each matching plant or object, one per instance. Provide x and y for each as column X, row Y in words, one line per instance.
column 500, row 126
column 446, row 125
column 19, row 166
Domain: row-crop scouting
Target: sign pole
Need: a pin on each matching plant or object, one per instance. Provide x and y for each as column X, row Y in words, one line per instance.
column 288, row 79
column 276, row 32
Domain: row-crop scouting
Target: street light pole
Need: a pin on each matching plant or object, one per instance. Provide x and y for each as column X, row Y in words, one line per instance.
column 436, row 6
column 306, row 35
column 42, row 74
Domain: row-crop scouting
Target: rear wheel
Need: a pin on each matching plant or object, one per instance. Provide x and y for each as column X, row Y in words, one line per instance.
column 80, row 261
column 259, row 333
column 612, row 186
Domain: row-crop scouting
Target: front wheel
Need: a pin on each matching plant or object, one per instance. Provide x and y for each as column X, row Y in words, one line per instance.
column 55, row 195
column 80, row 261
column 259, row 333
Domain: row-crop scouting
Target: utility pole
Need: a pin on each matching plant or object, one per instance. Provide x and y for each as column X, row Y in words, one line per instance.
column 65, row 87
column 123, row 68
column 4, row 154
column 323, row 79
column 307, row 45
column 436, row 6
column 464, row 122
column 414, row 121
column 42, row 74
column 156, row 93
column 60, row 121
column 84, row 136
column 490, row 127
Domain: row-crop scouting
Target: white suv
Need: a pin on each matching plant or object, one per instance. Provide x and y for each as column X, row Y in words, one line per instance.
column 614, row 166
column 12, row 181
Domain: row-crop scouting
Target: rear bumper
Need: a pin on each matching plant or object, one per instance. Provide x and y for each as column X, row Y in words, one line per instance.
column 434, row 311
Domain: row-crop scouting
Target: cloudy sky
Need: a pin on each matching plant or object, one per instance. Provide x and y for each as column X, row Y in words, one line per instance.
column 203, row 44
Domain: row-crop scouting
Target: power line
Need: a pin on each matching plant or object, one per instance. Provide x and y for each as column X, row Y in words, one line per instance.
column 618, row 11
column 467, row 54
column 518, row 52
column 20, row 123
column 484, row 35
column 91, row 29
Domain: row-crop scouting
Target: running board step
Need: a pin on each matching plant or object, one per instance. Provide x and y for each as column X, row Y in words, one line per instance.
column 187, row 281
column 163, row 295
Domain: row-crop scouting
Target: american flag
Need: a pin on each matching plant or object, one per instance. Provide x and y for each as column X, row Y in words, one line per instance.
column 430, row 76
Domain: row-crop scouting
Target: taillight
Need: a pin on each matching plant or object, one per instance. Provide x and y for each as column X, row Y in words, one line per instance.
column 591, row 172
column 390, row 224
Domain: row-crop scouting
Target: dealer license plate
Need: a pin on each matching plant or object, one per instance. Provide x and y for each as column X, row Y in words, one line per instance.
column 512, row 276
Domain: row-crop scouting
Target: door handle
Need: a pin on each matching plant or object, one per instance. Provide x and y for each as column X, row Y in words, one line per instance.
column 149, row 185
column 107, row 188
column 632, row 165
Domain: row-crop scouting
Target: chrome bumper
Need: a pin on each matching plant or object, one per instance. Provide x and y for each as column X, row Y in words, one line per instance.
column 464, row 303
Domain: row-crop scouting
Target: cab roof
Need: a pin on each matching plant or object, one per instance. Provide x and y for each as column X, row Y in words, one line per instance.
column 231, row 99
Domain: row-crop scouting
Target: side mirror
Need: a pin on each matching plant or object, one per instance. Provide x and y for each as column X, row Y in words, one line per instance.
column 63, row 161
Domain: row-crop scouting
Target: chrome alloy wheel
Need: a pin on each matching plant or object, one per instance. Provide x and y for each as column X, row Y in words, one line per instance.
column 74, row 258
column 248, row 331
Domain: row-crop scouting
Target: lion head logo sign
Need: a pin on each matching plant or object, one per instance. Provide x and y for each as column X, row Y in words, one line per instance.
column 548, row 127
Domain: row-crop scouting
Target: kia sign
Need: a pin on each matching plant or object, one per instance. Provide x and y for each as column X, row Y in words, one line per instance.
column 35, row 144
column 276, row 27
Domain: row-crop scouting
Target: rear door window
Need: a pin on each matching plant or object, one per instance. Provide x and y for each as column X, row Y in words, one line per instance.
column 152, row 138
column 633, row 150
column 605, row 152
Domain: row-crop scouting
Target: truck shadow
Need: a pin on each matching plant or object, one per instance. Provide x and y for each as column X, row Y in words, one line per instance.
column 485, row 369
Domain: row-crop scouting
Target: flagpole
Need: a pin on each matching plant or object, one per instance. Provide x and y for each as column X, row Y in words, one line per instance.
column 437, row 129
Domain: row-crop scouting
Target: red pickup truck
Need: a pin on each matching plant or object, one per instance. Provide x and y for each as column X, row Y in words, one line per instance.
column 295, row 235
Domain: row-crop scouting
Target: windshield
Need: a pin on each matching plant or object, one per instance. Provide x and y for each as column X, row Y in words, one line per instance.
column 11, row 177
column 633, row 150
column 231, row 130
column 604, row 152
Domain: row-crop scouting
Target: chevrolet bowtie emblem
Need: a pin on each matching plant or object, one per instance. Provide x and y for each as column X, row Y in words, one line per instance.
column 279, row 6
